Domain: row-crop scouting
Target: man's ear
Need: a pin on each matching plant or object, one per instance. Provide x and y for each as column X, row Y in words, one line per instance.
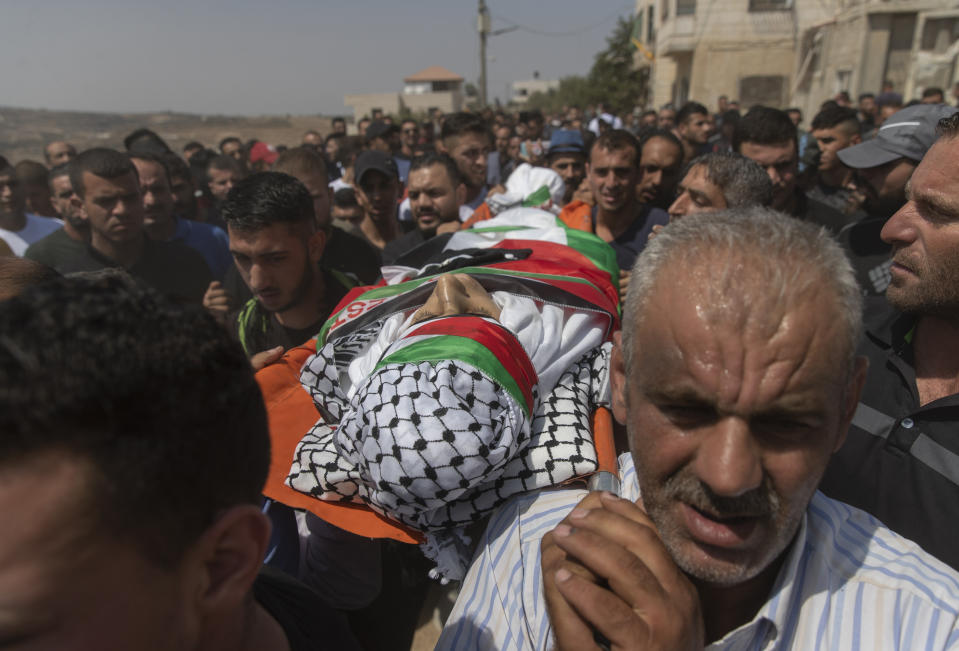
column 857, row 379
column 617, row 379
column 77, row 204
column 317, row 244
column 227, row 559
column 441, row 146
column 460, row 194
column 855, row 140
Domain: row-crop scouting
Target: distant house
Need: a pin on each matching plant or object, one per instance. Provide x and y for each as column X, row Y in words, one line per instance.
column 432, row 88
column 520, row 91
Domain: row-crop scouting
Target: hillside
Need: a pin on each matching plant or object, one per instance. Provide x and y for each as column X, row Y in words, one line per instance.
column 24, row 132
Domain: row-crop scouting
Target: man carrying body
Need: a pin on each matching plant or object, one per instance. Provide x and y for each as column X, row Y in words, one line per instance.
column 835, row 128
column 618, row 217
column 69, row 240
column 899, row 460
column 768, row 136
column 465, row 137
column 108, row 189
column 736, row 378
column 277, row 247
column 436, row 192
column 18, row 228
column 693, row 127
column 133, row 453
column 660, row 162
column 720, row 181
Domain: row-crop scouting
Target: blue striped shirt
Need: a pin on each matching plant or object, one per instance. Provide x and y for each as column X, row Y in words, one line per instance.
column 847, row 583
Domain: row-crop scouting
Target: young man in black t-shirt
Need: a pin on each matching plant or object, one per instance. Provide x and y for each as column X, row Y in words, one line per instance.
column 277, row 247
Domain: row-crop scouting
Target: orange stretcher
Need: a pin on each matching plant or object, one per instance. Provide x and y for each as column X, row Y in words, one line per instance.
column 292, row 413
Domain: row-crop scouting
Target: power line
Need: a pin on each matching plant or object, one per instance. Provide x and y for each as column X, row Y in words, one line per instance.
column 574, row 32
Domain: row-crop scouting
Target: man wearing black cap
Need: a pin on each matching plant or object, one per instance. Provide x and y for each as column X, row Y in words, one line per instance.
column 567, row 157
column 377, row 185
column 900, row 461
column 884, row 165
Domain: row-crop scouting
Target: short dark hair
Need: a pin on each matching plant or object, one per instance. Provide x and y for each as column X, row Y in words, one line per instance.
column 345, row 198
column 649, row 133
column 102, row 162
column 267, row 198
column 741, row 180
column 152, row 158
column 176, row 167
column 228, row 140
column 834, row 115
column 63, row 169
column 223, row 162
column 32, row 172
column 690, row 109
column 863, row 96
column 157, row 397
column 444, row 160
column 193, row 144
column 303, row 160
column 145, row 140
column 617, row 140
column 933, row 90
column 763, row 125
column 458, row 124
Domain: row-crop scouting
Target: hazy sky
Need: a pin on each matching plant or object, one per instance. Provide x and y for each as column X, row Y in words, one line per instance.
column 275, row 56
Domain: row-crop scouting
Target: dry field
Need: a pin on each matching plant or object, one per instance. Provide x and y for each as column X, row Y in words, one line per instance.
column 24, row 132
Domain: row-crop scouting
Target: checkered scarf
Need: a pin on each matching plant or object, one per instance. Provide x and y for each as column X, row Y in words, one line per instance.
column 441, row 422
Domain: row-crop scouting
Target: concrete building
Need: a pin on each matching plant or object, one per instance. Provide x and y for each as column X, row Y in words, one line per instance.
column 432, row 88
column 520, row 91
column 795, row 52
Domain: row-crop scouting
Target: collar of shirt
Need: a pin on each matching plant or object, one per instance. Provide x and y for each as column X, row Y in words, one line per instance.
column 772, row 617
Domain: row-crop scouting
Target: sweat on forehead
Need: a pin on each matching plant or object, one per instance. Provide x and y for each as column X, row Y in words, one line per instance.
column 750, row 258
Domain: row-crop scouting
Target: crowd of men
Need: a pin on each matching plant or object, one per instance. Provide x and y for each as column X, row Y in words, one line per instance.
column 786, row 379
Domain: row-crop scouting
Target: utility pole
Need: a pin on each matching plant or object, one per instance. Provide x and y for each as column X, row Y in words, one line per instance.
column 483, row 27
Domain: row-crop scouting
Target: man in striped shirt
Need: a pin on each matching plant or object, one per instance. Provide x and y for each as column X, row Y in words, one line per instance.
column 736, row 378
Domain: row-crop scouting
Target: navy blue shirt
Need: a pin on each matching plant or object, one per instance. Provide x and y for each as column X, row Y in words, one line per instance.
column 631, row 242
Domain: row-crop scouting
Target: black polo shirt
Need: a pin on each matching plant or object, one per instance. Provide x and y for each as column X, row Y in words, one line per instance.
column 900, row 461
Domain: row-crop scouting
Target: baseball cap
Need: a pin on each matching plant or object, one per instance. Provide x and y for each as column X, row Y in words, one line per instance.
column 908, row 133
column 263, row 152
column 375, row 160
column 567, row 140
column 379, row 129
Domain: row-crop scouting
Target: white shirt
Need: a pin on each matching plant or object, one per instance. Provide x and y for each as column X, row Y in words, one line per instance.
column 37, row 228
column 847, row 583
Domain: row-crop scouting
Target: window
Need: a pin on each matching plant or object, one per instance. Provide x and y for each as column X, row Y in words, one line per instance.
column 770, row 5
column 685, row 7
column 665, row 5
column 650, row 29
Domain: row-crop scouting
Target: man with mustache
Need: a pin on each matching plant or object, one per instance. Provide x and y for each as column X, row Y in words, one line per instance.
column 899, row 460
column 613, row 171
column 436, row 192
column 736, row 376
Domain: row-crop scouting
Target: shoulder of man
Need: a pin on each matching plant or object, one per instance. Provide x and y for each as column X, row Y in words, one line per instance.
column 857, row 549
column 308, row 622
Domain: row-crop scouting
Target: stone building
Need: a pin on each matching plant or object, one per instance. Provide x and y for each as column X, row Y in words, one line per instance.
column 432, row 88
column 795, row 52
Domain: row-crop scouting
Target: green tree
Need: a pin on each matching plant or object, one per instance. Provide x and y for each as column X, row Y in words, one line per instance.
column 613, row 79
